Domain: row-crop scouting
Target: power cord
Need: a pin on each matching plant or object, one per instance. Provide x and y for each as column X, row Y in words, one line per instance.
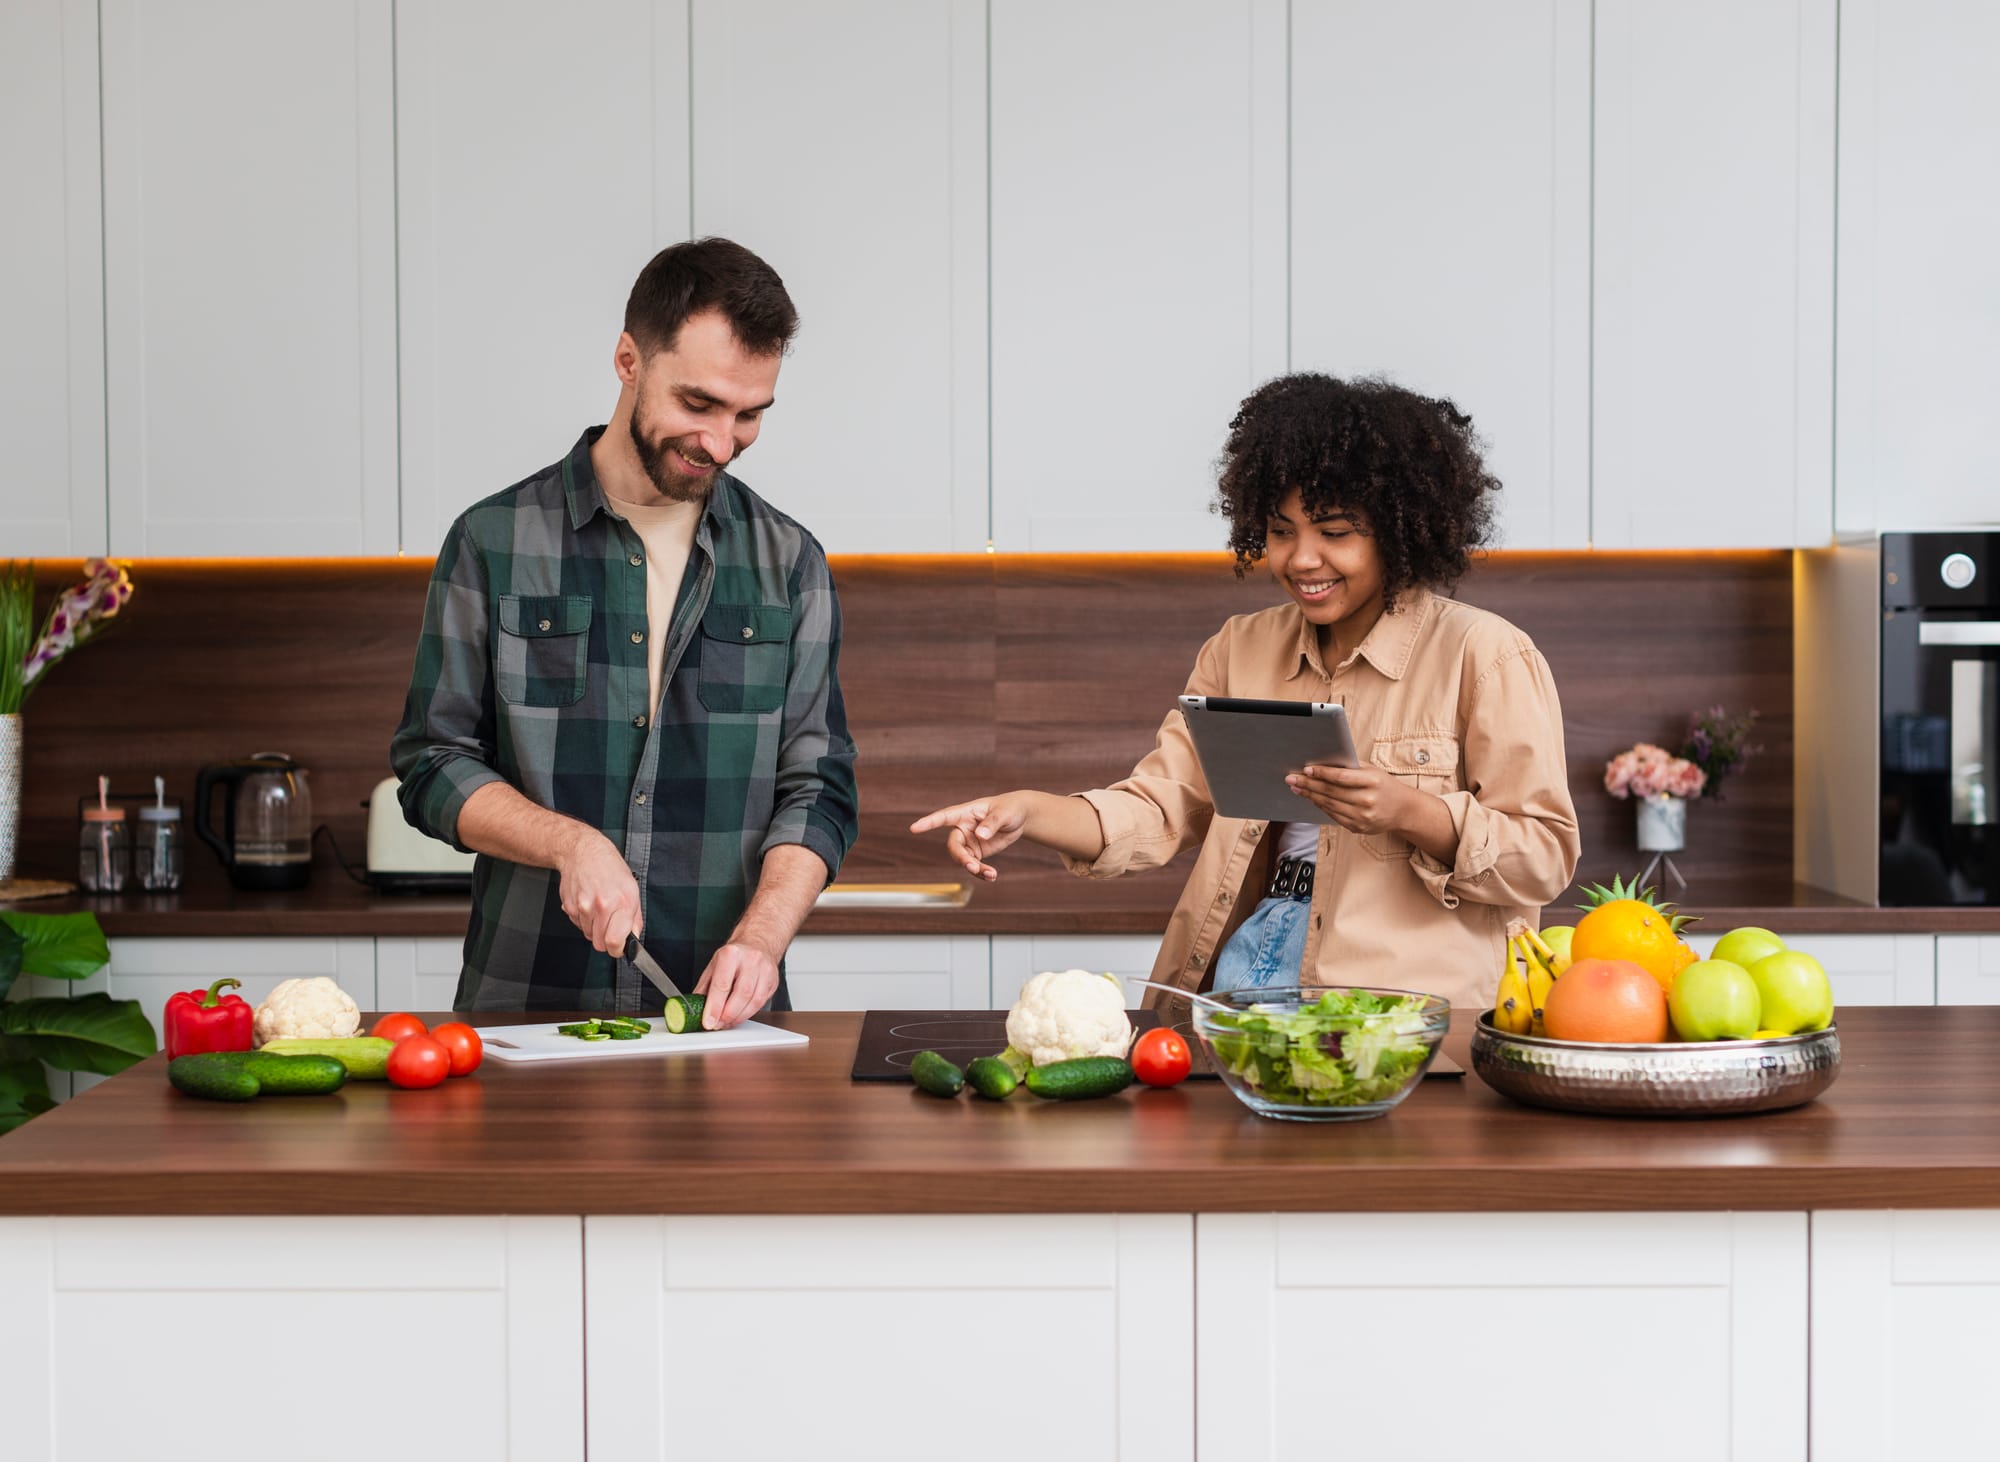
column 345, row 866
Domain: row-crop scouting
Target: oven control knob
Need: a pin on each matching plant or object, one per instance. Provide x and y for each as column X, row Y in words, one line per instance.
column 1958, row 571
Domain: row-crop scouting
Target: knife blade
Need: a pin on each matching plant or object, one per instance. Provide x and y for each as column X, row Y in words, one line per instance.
column 637, row 955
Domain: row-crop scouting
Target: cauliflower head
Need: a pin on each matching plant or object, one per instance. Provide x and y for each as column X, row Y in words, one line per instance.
column 1067, row 1013
column 315, row 1009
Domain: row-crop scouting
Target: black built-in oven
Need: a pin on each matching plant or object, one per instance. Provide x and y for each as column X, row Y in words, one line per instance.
column 1940, row 718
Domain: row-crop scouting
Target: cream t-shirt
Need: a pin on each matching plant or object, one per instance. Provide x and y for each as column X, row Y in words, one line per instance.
column 667, row 530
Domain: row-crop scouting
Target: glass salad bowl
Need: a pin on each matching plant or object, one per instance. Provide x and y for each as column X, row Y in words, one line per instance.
column 1332, row 1054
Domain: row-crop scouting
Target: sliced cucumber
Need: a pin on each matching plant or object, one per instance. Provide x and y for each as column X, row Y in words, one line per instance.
column 683, row 1014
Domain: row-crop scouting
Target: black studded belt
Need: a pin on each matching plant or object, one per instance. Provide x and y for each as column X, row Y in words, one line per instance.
column 1292, row 880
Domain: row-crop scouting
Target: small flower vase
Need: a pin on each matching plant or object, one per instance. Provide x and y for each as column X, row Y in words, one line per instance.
column 1662, row 823
column 12, row 746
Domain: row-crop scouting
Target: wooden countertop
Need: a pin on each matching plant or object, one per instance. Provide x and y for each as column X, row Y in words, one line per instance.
column 1034, row 895
column 1913, row 1122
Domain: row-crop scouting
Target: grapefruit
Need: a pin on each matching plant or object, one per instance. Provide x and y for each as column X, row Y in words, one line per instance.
column 1613, row 1000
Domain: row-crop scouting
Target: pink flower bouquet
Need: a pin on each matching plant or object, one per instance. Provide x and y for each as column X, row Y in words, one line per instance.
column 80, row 613
column 1652, row 771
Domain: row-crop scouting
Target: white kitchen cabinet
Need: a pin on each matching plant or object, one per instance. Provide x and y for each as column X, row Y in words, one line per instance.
column 1712, row 354
column 1138, row 262
column 846, row 144
column 250, row 277
column 51, row 281
column 674, row 1305
column 1440, row 226
column 1968, row 969
column 1710, row 1306
column 541, row 160
column 464, row 1334
column 1919, row 298
column 1016, row 957
column 888, row 972
column 1905, row 1319
column 417, row 974
column 1864, row 969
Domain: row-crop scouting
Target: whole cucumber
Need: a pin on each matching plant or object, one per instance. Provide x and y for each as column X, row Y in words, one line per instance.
column 991, row 1077
column 1086, row 1076
column 297, row 1075
column 365, row 1057
column 932, row 1073
column 237, row 1076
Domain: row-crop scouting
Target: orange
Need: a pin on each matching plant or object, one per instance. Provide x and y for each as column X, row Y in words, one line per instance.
column 1628, row 929
column 1606, row 1000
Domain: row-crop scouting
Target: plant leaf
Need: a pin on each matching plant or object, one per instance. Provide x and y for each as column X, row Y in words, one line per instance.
column 11, row 945
column 24, row 1093
column 90, row 1033
column 59, row 946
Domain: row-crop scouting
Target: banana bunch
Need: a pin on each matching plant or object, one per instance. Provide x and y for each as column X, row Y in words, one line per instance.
column 1527, row 971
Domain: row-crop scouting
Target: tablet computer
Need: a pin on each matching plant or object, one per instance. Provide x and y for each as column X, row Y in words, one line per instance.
column 1248, row 746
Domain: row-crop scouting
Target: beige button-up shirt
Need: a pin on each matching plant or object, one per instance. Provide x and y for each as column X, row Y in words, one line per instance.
column 1449, row 698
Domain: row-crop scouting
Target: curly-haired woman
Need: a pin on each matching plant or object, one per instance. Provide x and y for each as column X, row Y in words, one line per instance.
column 1362, row 499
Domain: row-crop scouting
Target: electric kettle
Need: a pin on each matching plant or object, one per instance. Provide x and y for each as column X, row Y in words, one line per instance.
column 267, row 827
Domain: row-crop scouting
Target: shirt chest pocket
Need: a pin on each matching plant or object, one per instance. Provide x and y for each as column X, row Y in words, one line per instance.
column 543, row 654
column 1425, row 760
column 746, row 654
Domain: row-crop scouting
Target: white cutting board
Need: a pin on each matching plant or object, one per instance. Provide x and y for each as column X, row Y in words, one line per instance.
column 542, row 1043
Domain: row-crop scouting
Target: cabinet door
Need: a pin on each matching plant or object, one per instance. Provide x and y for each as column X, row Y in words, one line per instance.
column 249, row 277
column 1968, row 969
column 1017, row 957
column 1712, row 420
column 1138, row 262
column 890, row 972
column 1440, row 229
column 1919, row 231
column 1598, row 1309
column 541, row 160
column 1864, row 969
column 417, row 974
column 51, row 281
column 846, row 144
column 1905, row 1311
column 465, row 1335
column 673, row 1305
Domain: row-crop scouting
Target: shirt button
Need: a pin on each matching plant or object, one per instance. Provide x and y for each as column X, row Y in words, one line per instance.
column 544, row 626
column 638, row 635
column 641, row 799
column 1423, row 757
column 749, row 632
column 640, row 722
column 636, row 560
column 1223, row 897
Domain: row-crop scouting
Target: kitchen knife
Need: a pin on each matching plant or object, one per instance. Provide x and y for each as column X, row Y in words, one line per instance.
column 635, row 952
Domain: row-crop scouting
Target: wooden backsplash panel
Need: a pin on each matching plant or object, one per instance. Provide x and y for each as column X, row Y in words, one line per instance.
column 963, row 675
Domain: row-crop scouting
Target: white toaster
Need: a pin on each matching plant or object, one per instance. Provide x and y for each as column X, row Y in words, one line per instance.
column 403, row 860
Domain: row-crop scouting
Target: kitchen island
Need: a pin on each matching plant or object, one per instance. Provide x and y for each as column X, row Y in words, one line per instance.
column 510, row 1264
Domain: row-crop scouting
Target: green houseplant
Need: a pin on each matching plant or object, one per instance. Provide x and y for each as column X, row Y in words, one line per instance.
column 92, row 1033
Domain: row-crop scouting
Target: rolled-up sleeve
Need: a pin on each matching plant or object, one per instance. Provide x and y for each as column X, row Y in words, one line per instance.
column 815, row 805
column 1163, row 807
column 1516, row 823
column 443, row 750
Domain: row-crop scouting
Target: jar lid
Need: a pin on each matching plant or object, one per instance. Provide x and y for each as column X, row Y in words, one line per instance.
column 154, row 813
column 103, row 814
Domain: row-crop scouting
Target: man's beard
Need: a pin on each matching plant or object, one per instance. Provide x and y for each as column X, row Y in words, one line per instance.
column 669, row 481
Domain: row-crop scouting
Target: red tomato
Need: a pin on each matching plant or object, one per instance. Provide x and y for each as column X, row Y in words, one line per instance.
column 461, row 1042
column 1159, row 1058
column 419, row 1061
column 399, row 1027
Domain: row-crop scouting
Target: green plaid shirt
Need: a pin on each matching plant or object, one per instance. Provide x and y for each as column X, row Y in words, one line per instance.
column 531, row 669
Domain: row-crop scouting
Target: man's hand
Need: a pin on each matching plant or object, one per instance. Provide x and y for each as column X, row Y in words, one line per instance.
column 737, row 982
column 598, row 891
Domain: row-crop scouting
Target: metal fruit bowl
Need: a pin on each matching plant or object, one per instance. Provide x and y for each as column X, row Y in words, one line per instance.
column 1671, row 1079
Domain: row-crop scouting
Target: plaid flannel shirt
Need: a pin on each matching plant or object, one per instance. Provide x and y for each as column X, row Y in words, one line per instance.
column 531, row 669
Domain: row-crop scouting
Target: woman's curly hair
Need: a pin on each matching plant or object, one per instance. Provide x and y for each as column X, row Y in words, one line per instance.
column 1406, row 467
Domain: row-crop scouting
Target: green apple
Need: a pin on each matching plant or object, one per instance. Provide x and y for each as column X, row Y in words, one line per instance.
column 1715, row 1000
column 1796, row 992
column 1747, row 945
column 1557, row 938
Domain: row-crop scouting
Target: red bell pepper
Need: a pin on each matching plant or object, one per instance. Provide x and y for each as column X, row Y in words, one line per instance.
column 208, row 1020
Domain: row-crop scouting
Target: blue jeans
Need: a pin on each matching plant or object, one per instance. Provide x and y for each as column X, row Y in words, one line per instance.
column 1267, row 949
